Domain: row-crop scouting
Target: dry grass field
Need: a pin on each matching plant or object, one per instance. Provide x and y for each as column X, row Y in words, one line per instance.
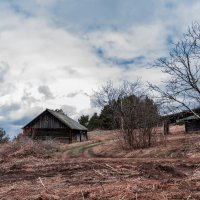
column 100, row 169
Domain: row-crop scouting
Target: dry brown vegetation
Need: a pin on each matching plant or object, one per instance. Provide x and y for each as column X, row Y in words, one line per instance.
column 99, row 169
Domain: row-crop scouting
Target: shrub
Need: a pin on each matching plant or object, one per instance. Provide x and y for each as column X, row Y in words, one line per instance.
column 24, row 147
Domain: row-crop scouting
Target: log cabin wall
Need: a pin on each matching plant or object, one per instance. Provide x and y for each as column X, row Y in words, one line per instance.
column 58, row 134
column 53, row 133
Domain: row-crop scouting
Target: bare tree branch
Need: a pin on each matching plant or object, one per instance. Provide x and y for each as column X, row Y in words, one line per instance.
column 183, row 66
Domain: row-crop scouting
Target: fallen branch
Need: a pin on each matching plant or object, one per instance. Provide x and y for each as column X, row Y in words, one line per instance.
column 106, row 165
column 98, row 172
column 113, row 169
column 42, row 183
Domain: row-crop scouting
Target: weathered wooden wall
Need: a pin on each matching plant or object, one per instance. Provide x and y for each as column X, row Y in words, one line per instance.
column 57, row 134
column 46, row 121
column 51, row 132
column 192, row 126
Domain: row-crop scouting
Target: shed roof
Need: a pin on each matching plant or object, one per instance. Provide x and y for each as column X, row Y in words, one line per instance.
column 193, row 117
column 72, row 124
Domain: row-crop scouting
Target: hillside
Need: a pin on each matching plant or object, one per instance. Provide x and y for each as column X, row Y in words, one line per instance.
column 100, row 169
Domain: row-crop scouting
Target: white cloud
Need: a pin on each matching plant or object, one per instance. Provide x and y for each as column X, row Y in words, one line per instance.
column 47, row 45
column 132, row 42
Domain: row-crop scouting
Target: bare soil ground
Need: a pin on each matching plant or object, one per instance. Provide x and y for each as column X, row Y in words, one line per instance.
column 99, row 169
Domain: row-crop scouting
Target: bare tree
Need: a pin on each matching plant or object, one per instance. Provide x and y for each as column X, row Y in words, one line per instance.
column 182, row 89
column 112, row 96
column 132, row 109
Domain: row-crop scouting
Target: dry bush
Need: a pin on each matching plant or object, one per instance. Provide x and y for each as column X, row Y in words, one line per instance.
column 27, row 147
column 132, row 111
column 139, row 138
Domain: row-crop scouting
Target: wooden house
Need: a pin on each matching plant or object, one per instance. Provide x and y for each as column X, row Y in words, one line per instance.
column 52, row 124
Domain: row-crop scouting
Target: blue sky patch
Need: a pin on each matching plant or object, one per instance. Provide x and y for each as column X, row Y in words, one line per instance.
column 119, row 61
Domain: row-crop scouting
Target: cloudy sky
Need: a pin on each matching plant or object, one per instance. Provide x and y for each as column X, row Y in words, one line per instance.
column 54, row 53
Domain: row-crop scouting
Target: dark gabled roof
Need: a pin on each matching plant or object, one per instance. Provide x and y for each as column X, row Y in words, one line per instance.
column 72, row 124
column 67, row 120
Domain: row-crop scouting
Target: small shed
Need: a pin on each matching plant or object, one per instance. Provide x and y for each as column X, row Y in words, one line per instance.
column 192, row 123
column 54, row 124
column 186, row 118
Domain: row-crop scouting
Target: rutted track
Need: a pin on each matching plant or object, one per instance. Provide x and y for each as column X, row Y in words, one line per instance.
column 85, row 150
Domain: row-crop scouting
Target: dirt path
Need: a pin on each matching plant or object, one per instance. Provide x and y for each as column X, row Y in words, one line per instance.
column 175, row 147
column 85, row 150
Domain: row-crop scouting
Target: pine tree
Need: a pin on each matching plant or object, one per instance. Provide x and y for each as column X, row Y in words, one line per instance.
column 3, row 137
column 83, row 120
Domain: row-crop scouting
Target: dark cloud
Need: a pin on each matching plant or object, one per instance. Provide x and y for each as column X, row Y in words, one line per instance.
column 69, row 110
column 70, row 71
column 27, row 117
column 6, row 109
column 28, row 98
column 73, row 94
column 6, row 122
column 22, row 121
column 13, row 125
column 86, row 94
column 43, row 89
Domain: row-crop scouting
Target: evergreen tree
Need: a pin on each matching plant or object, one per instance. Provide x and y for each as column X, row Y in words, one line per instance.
column 107, row 118
column 94, row 122
column 3, row 137
column 84, row 120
